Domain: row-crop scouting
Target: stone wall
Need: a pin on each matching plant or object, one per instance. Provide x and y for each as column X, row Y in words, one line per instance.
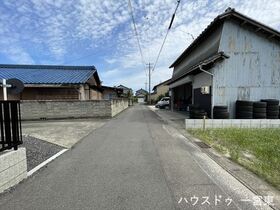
column 35, row 110
column 118, row 105
column 13, row 168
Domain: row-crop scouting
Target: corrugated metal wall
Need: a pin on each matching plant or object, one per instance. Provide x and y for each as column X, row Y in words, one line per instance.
column 205, row 49
column 253, row 70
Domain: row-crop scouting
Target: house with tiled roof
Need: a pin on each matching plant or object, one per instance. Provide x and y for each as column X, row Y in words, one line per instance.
column 53, row 82
column 159, row 90
column 141, row 95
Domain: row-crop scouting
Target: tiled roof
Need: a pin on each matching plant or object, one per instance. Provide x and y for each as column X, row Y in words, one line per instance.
column 162, row 83
column 141, row 91
column 48, row 74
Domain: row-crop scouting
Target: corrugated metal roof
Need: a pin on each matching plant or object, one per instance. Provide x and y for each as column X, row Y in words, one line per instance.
column 210, row 60
column 48, row 74
column 229, row 13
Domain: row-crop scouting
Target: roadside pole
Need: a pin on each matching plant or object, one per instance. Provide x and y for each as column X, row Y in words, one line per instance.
column 149, row 83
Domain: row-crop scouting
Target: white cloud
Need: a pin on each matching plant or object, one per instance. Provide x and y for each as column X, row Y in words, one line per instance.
column 110, row 60
column 192, row 17
column 53, row 27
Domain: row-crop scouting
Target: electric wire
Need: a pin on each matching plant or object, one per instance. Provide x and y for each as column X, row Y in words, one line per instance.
column 168, row 30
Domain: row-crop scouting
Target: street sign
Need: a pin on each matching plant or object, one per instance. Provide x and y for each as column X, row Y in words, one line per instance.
column 12, row 86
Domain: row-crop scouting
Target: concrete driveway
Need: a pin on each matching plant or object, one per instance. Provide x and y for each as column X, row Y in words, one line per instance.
column 135, row 161
column 64, row 133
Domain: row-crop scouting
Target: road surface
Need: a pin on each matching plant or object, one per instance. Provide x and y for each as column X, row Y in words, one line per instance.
column 135, row 161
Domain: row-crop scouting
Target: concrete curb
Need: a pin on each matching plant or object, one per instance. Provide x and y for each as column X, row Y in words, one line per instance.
column 245, row 177
column 41, row 165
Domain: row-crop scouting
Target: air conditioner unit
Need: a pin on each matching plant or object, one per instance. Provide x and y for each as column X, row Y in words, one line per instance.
column 205, row 90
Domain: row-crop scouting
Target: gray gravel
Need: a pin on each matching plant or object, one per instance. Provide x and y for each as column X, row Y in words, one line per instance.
column 37, row 150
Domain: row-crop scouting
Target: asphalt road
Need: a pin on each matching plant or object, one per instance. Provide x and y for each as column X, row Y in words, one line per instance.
column 135, row 161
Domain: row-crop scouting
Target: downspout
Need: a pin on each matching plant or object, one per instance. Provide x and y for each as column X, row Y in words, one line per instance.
column 212, row 88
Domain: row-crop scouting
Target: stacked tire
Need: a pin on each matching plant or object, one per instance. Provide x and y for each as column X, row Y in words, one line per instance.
column 220, row 112
column 272, row 108
column 244, row 109
column 259, row 110
column 199, row 114
column 196, row 112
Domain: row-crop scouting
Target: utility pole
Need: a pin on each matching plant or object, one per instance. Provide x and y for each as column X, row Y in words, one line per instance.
column 149, row 96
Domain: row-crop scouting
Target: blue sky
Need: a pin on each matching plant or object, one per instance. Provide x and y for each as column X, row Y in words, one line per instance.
column 100, row 33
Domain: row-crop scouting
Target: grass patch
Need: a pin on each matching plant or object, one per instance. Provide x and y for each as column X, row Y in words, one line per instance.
column 256, row 149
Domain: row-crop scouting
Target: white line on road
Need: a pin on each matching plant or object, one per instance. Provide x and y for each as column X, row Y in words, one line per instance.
column 29, row 173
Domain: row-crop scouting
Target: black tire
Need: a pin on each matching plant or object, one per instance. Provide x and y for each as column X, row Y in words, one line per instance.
column 242, row 117
column 244, row 103
column 198, row 111
column 199, row 116
column 224, row 115
column 272, row 108
column 272, row 117
column 244, row 108
column 271, row 101
column 259, row 110
column 193, row 107
column 273, row 113
column 220, row 111
column 259, row 104
column 259, row 115
column 220, row 108
column 244, row 114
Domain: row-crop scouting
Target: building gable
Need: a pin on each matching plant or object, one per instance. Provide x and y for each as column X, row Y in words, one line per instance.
column 184, row 61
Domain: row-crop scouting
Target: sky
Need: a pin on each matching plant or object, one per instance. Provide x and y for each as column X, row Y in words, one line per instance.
column 100, row 33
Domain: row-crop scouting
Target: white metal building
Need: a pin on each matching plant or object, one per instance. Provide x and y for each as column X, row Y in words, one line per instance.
column 234, row 58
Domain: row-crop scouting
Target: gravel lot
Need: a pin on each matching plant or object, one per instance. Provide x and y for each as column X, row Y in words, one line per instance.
column 64, row 133
column 37, row 151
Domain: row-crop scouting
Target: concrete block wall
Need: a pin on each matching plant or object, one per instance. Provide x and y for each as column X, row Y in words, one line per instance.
column 35, row 110
column 13, row 168
column 118, row 105
column 232, row 123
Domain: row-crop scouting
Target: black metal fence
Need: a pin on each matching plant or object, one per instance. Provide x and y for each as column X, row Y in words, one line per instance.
column 10, row 124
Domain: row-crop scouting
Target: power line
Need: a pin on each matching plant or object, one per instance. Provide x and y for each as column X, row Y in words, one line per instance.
column 136, row 33
column 187, row 33
column 171, row 22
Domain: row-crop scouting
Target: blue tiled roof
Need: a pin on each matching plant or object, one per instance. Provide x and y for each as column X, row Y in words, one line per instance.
column 48, row 74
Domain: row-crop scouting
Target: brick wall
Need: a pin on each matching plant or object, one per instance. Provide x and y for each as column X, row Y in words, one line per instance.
column 34, row 110
column 13, row 168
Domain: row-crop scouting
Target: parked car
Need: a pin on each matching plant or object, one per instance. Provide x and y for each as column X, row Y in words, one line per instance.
column 163, row 102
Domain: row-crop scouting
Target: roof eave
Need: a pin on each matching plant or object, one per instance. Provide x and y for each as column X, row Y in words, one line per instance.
column 219, row 19
column 213, row 59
